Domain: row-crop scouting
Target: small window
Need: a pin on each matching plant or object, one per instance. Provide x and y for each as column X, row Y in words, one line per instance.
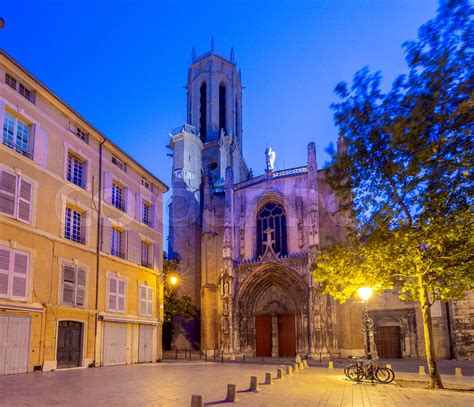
column 17, row 135
column 119, row 163
column 84, row 136
column 118, row 196
column 19, row 87
column 76, row 171
column 146, row 254
column 117, row 243
column 15, row 196
column 146, row 300
column 14, row 270
column 116, row 297
column 74, row 285
column 73, row 229
column 147, row 214
column 147, row 184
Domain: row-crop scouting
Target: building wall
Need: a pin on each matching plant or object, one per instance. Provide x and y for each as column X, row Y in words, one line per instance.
column 52, row 125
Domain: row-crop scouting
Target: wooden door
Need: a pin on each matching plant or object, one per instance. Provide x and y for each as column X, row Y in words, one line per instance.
column 69, row 353
column 388, row 341
column 145, row 344
column 286, row 336
column 263, row 328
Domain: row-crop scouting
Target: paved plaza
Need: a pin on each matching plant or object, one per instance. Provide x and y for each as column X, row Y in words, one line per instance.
column 173, row 383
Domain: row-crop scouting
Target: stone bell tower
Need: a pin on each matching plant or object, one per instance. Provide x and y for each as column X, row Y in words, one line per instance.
column 204, row 149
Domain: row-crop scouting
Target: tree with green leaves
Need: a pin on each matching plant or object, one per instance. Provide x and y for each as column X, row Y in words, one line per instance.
column 404, row 173
column 174, row 304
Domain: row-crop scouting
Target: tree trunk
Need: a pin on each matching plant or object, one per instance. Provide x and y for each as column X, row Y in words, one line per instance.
column 435, row 377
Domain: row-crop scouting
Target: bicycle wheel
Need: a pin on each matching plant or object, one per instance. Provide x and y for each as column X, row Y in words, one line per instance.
column 384, row 375
column 354, row 372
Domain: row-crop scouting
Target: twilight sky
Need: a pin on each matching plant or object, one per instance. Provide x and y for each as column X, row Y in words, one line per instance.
column 122, row 64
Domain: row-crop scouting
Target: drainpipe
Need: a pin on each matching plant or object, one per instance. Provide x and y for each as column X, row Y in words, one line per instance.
column 99, row 238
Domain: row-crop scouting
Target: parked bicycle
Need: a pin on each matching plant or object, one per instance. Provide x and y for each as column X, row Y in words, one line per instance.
column 369, row 369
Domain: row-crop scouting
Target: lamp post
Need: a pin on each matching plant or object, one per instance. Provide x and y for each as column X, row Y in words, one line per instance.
column 2, row 22
column 367, row 323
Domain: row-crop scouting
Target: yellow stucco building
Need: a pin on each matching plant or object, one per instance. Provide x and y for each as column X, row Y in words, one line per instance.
column 81, row 238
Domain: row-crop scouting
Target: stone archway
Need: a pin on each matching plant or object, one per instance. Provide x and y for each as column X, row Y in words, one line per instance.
column 272, row 305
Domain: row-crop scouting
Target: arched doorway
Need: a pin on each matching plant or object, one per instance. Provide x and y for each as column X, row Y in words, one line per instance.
column 272, row 312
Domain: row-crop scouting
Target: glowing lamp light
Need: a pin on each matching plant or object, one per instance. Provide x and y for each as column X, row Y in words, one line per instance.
column 173, row 280
column 365, row 293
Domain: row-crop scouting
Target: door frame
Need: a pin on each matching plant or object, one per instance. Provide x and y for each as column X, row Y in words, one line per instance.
column 83, row 345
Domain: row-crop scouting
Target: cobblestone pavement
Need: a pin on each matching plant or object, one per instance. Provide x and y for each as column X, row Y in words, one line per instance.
column 173, row 383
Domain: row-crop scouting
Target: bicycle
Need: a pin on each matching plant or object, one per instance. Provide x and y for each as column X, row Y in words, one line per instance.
column 369, row 369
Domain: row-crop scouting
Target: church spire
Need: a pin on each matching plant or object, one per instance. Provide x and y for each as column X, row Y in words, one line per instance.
column 232, row 55
column 193, row 54
column 212, row 44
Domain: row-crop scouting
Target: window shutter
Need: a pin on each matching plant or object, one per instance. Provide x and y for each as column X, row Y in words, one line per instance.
column 107, row 187
column 20, row 275
column 134, row 246
column 139, row 207
column 143, row 297
column 130, row 202
column 4, row 271
column 24, row 201
column 8, row 190
column 80, row 287
column 121, row 295
column 150, row 301
column 40, row 145
column 112, row 294
column 69, row 280
column 106, row 234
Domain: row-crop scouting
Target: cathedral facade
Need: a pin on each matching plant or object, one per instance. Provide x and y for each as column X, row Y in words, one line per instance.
column 246, row 243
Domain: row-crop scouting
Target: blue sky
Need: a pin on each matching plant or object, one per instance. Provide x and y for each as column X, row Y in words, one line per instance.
column 123, row 64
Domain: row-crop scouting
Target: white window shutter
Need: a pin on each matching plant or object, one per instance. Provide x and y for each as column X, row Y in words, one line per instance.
column 24, row 201
column 150, row 301
column 40, row 145
column 107, row 187
column 69, row 280
column 106, row 235
column 112, row 294
column 8, row 193
column 139, row 210
column 121, row 295
column 134, row 247
column 2, row 117
column 131, row 206
column 20, row 275
column 5, row 257
column 143, row 298
column 80, row 287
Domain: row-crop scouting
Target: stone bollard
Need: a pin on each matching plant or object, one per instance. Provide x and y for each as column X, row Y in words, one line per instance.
column 289, row 371
column 254, row 384
column 388, row 366
column 268, row 378
column 301, row 366
column 421, row 370
column 305, row 363
column 331, row 365
column 196, row 401
column 296, row 368
column 298, row 359
column 457, row 371
column 231, row 394
column 280, row 373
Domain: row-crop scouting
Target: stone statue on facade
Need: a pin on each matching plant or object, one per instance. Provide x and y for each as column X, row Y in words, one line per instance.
column 270, row 158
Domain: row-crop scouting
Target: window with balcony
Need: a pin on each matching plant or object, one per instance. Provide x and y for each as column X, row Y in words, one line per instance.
column 20, row 88
column 17, row 135
column 73, row 285
column 118, row 196
column 117, row 243
column 76, row 171
column 146, row 254
column 73, row 228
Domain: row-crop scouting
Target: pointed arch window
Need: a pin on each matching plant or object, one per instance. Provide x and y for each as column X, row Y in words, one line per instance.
column 203, row 111
column 222, row 107
column 271, row 229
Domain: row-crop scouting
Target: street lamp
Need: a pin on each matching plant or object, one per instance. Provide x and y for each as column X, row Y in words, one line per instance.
column 2, row 22
column 367, row 323
column 173, row 280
